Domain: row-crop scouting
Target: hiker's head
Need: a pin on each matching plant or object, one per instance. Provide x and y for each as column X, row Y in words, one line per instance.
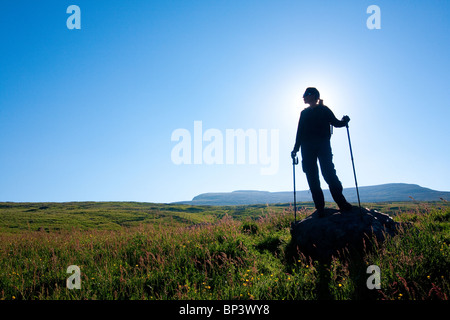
column 311, row 95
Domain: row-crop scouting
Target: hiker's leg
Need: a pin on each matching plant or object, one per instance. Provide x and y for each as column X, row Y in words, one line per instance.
column 309, row 165
column 329, row 174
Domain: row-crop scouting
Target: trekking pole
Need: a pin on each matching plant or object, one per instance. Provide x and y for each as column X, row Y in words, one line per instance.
column 354, row 172
column 295, row 162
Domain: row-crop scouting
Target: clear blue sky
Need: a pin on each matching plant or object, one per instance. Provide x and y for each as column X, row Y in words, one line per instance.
column 88, row 114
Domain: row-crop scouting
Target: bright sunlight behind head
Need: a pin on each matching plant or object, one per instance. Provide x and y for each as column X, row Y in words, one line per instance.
column 330, row 88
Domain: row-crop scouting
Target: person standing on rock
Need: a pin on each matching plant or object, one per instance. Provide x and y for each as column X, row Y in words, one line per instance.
column 313, row 137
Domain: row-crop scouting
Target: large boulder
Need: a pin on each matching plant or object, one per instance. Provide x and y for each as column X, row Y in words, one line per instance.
column 321, row 236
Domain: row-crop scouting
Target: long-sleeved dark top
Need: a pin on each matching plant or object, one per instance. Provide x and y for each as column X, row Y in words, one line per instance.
column 314, row 125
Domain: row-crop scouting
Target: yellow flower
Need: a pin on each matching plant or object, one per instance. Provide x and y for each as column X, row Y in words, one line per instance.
column 340, row 285
column 428, row 277
column 13, row 297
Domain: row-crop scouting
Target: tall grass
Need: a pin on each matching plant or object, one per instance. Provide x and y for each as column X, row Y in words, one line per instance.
column 230, row 259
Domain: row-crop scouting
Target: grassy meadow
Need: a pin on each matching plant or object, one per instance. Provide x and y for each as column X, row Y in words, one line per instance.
column 130, row 250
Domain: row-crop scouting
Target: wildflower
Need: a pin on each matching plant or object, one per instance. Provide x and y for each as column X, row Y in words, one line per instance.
column 340, row 285
column 428, row 277
column 13, row 297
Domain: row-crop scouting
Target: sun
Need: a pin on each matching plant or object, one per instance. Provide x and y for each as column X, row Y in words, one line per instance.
column 330, row 87
column 330, row 94
column 330, row 81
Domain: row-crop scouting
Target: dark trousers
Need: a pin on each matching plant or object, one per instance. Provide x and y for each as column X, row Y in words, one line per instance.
column 321, row 150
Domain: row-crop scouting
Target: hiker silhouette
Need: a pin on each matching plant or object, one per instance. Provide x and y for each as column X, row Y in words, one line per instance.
column 313, row 137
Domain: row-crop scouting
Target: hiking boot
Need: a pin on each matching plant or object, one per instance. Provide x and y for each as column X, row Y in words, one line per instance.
column 345, row 207
column 321, row 212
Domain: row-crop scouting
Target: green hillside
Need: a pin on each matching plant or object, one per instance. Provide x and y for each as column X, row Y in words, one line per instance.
column 16, row 217
column 53, row 216
column 158, row 251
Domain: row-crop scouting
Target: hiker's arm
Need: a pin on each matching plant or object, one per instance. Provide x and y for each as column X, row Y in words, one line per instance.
column 298, row 139
column 338, row 123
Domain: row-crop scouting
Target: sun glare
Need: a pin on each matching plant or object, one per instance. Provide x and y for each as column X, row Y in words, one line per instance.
column 328, row 80
column 330, row 90
column 330, row 94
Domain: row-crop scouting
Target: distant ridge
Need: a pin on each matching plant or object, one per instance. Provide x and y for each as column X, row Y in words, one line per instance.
column 378, row 193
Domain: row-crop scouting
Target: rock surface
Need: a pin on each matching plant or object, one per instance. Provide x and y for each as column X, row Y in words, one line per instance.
column 322, row 236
